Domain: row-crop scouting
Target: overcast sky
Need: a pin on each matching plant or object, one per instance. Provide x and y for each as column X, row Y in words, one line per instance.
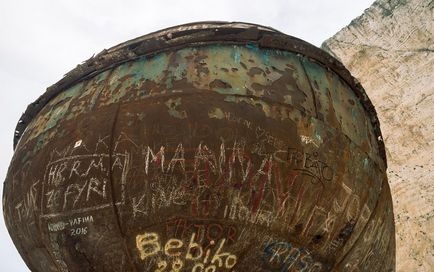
column 42, row 40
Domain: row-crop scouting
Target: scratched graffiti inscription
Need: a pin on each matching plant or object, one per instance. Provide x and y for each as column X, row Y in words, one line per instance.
column 79, row 183
column 76, row 226
column 174, row 254
column 283, row 256
column 286, row 185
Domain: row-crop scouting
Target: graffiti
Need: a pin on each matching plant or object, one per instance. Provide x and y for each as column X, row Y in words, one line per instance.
column 310, row 163
column 201, row 167
column 58, row 226
column 286, row 185
column 238, row 160
column 177, row 252
column 75, row 225
column 81, row 220
column 375, row 240
column 283, row 256
column 26, row 207
column 322, row 224
column 309, row 140
column 205, row 231
column 77, row 182
column 79, row 231
column 239, row 211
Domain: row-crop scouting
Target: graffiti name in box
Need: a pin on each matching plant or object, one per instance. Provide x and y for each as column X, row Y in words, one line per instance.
column 309, row 162
column 175, row 255
column 204, row 230
column 80, row 181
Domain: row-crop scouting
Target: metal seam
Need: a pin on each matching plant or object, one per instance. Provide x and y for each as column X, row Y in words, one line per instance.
column 115, row 208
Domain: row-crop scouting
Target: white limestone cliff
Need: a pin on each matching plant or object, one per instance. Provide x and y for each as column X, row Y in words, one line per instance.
column 390, row 50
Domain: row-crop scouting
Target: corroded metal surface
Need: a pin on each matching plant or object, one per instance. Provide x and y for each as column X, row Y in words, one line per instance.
column 206, row 147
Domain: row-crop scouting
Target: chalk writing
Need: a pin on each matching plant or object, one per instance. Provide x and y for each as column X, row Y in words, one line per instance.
column 283, row 256
column 27, row 206
column 79, row 231
column 201, row 258
column 197, row 169
column 77, row 182
column 58, row 226
column 81, row 220
column 74, row 225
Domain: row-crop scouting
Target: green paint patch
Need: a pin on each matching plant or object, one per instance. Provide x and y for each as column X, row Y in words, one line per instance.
column 153, row 68
column 318, row 136
column 354, row 114
column 216, row 113
column 55, row 115
column 71, row 92
column 236, row 55
column 365, row 163
column 172, row 105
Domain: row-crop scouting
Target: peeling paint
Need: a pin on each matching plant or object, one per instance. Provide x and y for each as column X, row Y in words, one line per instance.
column 216, row 113
column 172, row 105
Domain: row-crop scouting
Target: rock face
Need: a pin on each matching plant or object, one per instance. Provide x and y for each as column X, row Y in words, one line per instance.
column 390, row 49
